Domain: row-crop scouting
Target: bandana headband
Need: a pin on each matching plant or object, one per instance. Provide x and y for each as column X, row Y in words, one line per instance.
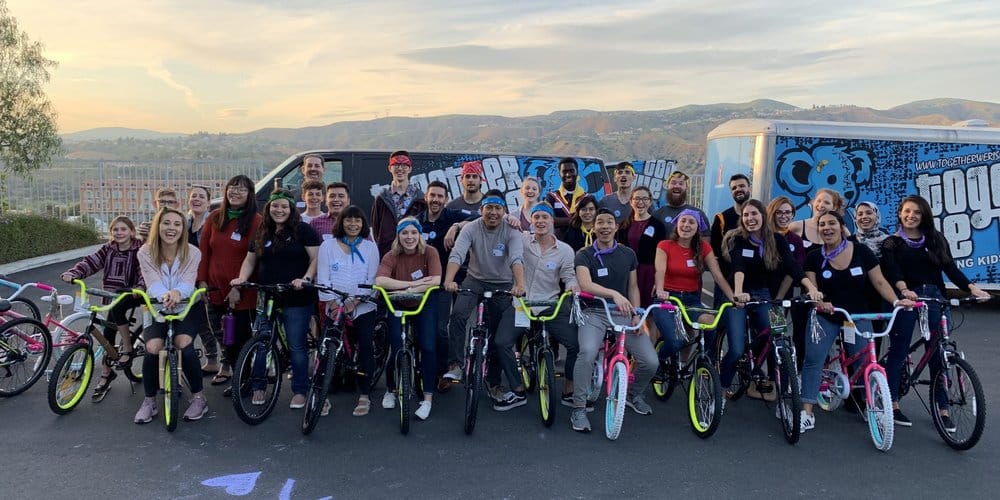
column 400, row 160
column 494, row 200
column 543, row 208
column 281, row 196
column 402, row 225
column 702, row 225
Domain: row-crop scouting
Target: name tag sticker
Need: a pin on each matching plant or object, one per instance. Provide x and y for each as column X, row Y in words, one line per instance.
column 806, row 243
column 558, row 205
column 417, row 274
column 827, row 274
column 649, row 231
column 791, row 247
column 520, row 319
column 856, row 271
column 550, row 265
column 498, row 250
column 748, row 252
column 602, row 272
column 327, row 237
column 618, row 213
column 300, row 204
column 690, row 263
column 236, row 237
column 431, row 235
column 267, row 244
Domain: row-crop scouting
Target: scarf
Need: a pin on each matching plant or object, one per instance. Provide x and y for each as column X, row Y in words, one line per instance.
column 234, row 213
column 598, row 252
column 588, row 236
column 569, row 208
column 353, row 245
column 832, row 254
column 912, row 243
column 760, row 244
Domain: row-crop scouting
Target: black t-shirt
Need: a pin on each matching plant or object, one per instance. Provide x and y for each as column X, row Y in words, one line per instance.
column 847, row 288
column 434, row 233
column 284, row 259
column 746, row 258
column 612, row 271
column 914, row 266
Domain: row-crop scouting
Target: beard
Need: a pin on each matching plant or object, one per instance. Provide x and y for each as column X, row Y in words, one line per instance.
column 741, row 197
column 676, row 200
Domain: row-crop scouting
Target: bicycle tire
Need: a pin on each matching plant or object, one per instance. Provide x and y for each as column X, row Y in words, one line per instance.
column 69, row 383
column 665, row 380
column 879, row 411
column 547, row 399
column 704, row 399
column 789, row 400
column 970, row 401
column 597, row 378
column 262, row 353
column 380, row 350
column 404, row 389
column 25, row 356
column 171, row 392
column 133, row 370
column 319, row 387
column 26, row 308
column 525, row 362
column 473, row 388
column 614, row 410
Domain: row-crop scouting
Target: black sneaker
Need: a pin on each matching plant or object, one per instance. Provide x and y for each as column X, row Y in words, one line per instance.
column 567, row 399
column 948, row 423
column 512, row 400
column 900, row 419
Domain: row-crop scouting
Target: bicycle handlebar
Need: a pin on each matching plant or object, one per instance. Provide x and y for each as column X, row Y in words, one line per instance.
column 643, row 313
column 190, row 301
column 400, row 313
column 97, row 292
column 527, row 305
column 717, row 313
column 955, row 302
column 486, row 294
column 853, row 318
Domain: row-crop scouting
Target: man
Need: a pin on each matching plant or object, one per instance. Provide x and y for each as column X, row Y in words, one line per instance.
column 163, row 197
column 338, row 197
column 313, row 169
column 495, row 252
column 472, row 178
column 400, row 199
column 547, row 261
column 618, row 203
column 609, row 270
column 739, row 189
column 564, row 198
column 312, row 193
column 677, row 192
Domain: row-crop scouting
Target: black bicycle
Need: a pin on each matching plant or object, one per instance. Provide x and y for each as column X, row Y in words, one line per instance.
column 476, row 351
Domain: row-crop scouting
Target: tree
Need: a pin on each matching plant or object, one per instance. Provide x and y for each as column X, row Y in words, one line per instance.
column 28, row 138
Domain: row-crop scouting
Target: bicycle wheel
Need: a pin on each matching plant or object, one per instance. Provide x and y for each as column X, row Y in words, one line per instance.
column 70, row 378
column 614, row 410
column 525, row 364
column 319, row 387
column 380, row 348
column 966, row 404
column 25, row 350
column 547, row 398
column 171, row 392
column 704, row 399
column 133, row 368
column 473, row 387
column 258, row 369
column 25, row 308
column 404, row 389
column 597, row 379
column 789, row 400
column 741, row 373
column 665, row 380
column 880, row 423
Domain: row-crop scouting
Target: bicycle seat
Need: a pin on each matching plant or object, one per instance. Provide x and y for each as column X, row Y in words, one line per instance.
column 63, row 300
column 4, row 305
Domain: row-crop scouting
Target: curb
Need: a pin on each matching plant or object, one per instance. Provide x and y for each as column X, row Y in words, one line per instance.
column 45, row 260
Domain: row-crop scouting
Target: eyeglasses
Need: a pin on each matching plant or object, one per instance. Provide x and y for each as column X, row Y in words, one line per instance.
column 784, row 213
column 641, row 200
column 167, row 201
column 237, row 189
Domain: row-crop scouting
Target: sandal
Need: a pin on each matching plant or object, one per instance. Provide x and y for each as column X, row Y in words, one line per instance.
column 364, row 405
column 103, row 387
column 220, row 379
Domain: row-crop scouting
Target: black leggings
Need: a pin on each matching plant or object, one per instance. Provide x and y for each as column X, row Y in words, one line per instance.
column 118, row 316
column 189, row 363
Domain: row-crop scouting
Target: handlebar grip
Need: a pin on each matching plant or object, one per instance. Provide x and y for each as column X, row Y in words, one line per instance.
column 44, row 287
column 365, row 286
column 587, row 296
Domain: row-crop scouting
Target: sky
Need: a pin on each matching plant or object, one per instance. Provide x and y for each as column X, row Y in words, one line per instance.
column 236, row 66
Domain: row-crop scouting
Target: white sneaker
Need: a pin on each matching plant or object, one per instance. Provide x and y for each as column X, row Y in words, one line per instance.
column 389, row 400
column 423, row 410
column 326, row 408
column 807, row 421
column 454, row 374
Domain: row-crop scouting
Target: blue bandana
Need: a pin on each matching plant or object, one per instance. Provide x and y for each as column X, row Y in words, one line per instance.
column 543, row 208
column 494, row 200
column 353, row 245
column 402, row 225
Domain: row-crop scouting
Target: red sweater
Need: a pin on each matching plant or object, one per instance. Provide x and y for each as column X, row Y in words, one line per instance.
column 222, row 254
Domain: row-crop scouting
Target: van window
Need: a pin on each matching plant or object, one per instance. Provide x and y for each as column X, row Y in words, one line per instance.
column 725, row 157
column 334, row 172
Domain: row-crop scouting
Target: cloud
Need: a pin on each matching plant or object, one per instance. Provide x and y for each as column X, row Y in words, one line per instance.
column 233, row 113
column 161, row 73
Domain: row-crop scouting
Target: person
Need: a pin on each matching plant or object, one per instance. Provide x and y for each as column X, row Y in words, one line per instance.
column 779, row 216
column 547, row 263
column 609, row 269
column 619, row 201
column 565, row 198
column 496, row 254
column 312, row 194
column 436, row 221
column 396, row 201
column 163, row 197
column 641, row 232
column 580, row 232
column 472, row 178
column 412, row 266
column 845, row 272
column 681, row 260
column 869, row 223
column 739, row 189
column 530, row 189
column 338, row 196
column 345, row 261
column 677, row 193
column 199, row 198
column 118, row 259
column 224, row 243
column 285, row 250
column 758, row 257
column 313, row 169
column 169, row 267
column 826, row 200
column 914, row 259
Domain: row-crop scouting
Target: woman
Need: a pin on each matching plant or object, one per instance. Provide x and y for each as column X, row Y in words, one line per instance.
column 530, row 190
column 826, row 200
column 580, row 232
column 285, row 251
column 198, row 206
column 869, row 224
column 224, row 242
column 118, row 258
column 846, row 273
column 169, row 267
column 680, row 262
column 759, row 257
column 642, row 232
column 411, row 266
column 345, row 261
column 914, row 258
column 779, row 216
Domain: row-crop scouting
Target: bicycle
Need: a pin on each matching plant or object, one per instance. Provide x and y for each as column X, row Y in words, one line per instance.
column 477, row 346
column 73, row 370
column 612, row 366
column 333, row 352
column 536, row 361
column 409, row 383
column 966, row 401
column 25, row 349
column 778, row 352
column 20, row 307
column 704, row 388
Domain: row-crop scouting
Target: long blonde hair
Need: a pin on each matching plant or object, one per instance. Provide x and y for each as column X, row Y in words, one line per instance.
column 397, row 247
column 155, row 244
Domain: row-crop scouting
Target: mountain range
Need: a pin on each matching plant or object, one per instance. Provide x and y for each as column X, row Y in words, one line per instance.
column 677, row 133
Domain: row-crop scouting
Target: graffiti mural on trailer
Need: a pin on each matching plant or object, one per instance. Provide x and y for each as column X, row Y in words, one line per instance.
column 506, row 173
column 653, row 174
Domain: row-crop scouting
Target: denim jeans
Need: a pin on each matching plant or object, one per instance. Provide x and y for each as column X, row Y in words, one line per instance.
column 735, row 320
column 816, row 354
column 425, row 330
column 296, row 323
column 902, row 335
column 559, row 328
column 666, row 324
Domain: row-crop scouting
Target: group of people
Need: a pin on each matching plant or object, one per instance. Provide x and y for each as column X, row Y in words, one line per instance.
column 617, row 248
